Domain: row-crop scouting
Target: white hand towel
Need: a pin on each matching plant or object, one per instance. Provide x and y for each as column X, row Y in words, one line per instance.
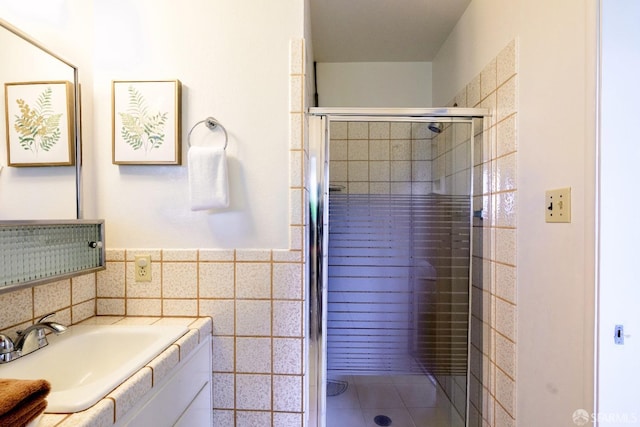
column 208, row 181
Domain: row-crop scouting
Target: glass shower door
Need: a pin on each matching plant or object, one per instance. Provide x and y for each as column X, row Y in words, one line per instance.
column 398, row 272
column 392, row 243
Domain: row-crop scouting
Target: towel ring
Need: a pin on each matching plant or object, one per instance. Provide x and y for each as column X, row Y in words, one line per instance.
column 211, row 123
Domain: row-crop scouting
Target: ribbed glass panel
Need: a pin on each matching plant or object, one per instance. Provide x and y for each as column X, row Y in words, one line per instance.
column 398, row 283
column 36, row 252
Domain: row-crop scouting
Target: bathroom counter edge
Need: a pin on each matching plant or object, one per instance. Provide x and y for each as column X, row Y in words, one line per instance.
column 106, row 411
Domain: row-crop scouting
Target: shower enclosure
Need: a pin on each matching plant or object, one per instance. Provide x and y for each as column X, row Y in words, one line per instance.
column 390, row 255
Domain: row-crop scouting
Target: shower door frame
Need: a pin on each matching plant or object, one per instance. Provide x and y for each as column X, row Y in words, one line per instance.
column 317, row 181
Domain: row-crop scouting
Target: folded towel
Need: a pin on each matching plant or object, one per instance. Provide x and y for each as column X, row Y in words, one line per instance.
column 22, row 401
column 208, row 182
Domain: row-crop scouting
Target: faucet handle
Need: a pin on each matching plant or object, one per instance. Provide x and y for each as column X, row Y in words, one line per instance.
column 45, row 317
column 7, row 349
column 6, row 345
column 20, row 332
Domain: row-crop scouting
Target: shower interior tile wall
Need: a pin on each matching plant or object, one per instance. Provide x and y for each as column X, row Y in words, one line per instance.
column 381, row 157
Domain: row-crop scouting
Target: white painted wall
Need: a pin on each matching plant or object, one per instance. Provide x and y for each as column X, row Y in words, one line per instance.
column 61, row 25
column 619, row 293
column 485, row 27
column 556, row 148
column 233, row 61
column 310, row 81
column 556, row 261
column 374, row 84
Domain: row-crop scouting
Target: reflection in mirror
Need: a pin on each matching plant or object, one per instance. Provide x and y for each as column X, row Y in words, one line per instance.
column 48, row 190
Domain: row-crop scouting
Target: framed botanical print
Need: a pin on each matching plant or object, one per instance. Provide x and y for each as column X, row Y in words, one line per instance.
column 146, row 122
column 39, row 123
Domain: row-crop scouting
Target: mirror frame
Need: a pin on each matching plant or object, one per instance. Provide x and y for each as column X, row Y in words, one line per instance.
column 76, row 104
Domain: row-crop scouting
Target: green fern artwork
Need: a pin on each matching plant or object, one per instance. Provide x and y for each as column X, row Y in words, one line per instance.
column 142, row 129
column 38, row 127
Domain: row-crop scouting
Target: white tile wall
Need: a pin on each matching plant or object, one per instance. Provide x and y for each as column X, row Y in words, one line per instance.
column 381, row 157
column 494, row 337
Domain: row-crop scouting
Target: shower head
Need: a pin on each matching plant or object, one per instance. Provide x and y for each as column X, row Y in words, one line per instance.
column 435, row 127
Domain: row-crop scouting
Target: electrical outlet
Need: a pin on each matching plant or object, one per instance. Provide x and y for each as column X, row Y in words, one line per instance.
column 143, row 268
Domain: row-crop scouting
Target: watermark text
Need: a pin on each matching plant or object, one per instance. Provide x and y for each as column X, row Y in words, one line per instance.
column 581, row 417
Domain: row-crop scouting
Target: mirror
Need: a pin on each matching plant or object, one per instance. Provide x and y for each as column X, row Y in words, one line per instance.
column 44, row 189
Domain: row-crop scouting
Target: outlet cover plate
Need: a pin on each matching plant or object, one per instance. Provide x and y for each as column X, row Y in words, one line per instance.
column 143, row 268
column 558, row 205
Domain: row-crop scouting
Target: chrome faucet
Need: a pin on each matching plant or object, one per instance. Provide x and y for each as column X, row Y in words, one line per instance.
column 29, row 340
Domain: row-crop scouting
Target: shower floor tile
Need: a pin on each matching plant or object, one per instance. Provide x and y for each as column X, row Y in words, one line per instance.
column 399, row 417
column 410, row 379
column 344, row 417
column 417, row 395
column 379, row 396
column 372, row 379
column 348, row 399
column 409, row 400
column 429, row 417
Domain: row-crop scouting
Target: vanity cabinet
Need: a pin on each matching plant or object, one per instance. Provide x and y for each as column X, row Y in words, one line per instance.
column 184, row 398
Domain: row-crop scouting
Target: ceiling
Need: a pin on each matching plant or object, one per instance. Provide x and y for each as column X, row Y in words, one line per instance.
column 382, row 30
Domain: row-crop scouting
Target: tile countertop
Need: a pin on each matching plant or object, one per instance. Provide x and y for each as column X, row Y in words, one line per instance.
column 116, row 404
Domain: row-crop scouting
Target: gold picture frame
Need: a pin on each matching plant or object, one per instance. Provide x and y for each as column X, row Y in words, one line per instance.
column 39, row 123
column 146, row 122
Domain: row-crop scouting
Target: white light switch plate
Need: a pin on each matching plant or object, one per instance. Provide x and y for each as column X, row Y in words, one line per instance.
column 558, row 205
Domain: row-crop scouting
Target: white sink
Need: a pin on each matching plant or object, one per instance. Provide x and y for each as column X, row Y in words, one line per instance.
column 88, row 361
